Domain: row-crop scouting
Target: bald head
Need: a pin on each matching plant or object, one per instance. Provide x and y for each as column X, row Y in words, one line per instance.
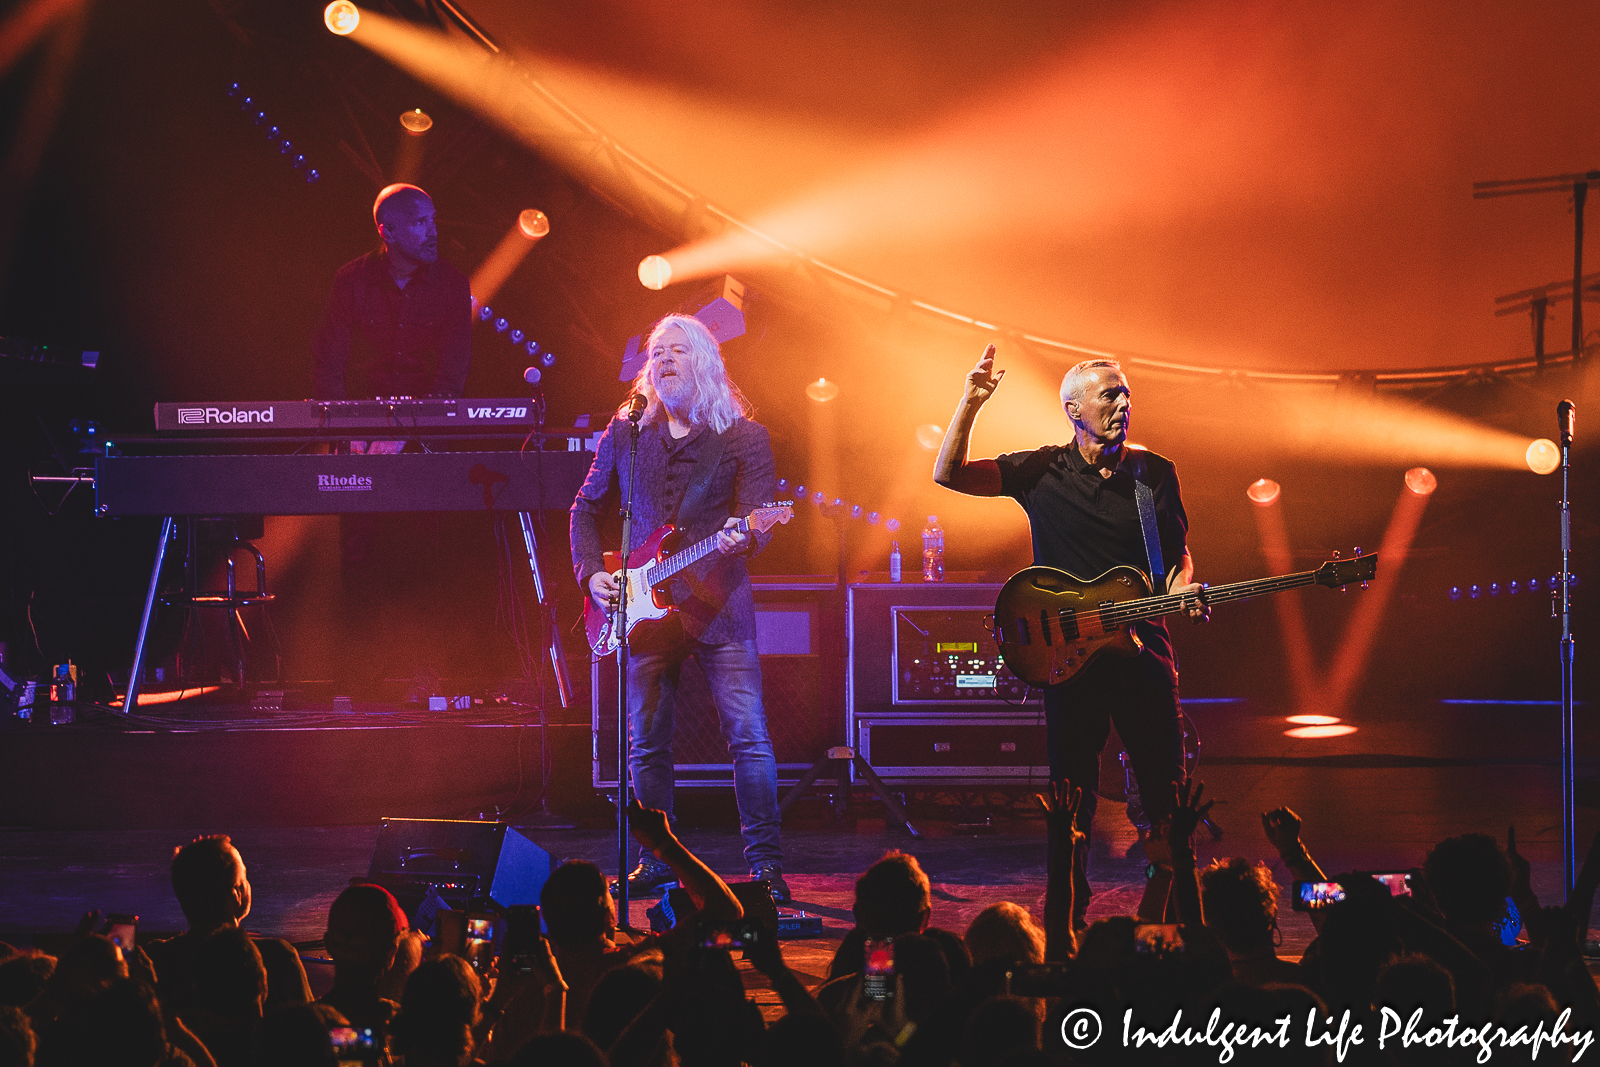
column 405, row 219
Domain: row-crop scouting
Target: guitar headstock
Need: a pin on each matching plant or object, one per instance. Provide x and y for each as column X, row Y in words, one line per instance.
column 1337, row 573
column 770, row 514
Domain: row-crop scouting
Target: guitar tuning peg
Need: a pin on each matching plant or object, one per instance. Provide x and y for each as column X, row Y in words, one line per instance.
column 1358, row 556
column 1342, row 588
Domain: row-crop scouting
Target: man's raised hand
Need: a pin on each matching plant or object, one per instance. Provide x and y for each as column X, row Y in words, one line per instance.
column 648, row 826
column 982, row 379
column 1061, row 804
column 1187, row 811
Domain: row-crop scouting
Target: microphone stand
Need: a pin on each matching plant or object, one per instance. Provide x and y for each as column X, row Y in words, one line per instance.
column 622, row 676
column 1569, row 843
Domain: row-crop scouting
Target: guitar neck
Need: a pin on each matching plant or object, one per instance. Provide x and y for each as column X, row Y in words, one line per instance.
column 688, row 557
column 1155, row 606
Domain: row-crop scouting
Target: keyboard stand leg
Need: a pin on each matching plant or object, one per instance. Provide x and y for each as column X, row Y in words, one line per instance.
column 131, row 701
column 558, row 660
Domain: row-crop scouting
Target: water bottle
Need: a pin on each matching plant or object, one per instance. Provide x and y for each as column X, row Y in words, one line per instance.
column 894, row 561
column 932, row 551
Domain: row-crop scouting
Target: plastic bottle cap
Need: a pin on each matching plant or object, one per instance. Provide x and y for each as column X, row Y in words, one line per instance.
column 933, row 520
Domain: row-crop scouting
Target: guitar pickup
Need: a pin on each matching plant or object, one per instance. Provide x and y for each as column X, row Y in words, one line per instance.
column 1020, row 626
column 1068, row 621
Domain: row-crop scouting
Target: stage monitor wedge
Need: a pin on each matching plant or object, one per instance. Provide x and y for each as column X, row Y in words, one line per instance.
column 502, row 863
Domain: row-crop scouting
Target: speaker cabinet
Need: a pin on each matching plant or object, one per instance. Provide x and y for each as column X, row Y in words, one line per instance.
column 799, row 635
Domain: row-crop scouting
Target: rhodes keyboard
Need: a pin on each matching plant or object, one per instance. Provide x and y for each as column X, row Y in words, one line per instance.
column 336, row 417
column 334, row 485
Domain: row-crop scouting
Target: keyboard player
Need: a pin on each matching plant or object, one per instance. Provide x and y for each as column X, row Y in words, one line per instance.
column 398, row 323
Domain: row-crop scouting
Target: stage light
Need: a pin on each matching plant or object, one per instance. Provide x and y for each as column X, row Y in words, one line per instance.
column 547, row 360
column 517, row 336
column 416, row 121
column 1455, row 592
column 872, row 518
column 534, row 223
column 485, row 313
column 1420, row 480
column 1494, row 588
column 1475, row 592
column 800, row 492
column 822, row 390
column 171, row 696
column 892, row 525
column 855, row 511
column 1512, row 588
column 533, row 349
column 1533, row 585
column 818, row 497
column 654, row 272
column 1320, row 731
column 500, row 325
column 1263, row 492
column 1312, row 720
column 930, row 435
column 1543, row 456
column 313, row 176
column 342, row 17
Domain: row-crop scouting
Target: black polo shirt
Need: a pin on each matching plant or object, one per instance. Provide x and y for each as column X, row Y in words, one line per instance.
column 1085, row 523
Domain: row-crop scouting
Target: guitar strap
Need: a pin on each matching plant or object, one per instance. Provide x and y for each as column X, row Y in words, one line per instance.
column 1146, row 499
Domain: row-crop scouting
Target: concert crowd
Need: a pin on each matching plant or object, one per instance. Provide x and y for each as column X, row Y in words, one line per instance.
column 1462, row 945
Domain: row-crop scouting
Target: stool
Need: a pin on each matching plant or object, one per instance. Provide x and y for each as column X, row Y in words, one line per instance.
column 231, row 600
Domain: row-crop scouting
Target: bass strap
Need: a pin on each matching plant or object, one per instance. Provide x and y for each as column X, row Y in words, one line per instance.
column 1146, row 500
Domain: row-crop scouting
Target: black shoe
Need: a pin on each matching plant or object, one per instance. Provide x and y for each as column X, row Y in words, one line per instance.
column 772, row 874
column 648, row 878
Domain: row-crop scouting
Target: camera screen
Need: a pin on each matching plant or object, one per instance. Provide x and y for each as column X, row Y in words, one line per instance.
column 1398, row 883
column 1157, row 939
column 721, row 937
column 1320, row 894
column 878, row 975
column 346, row 1039
column 482, row 929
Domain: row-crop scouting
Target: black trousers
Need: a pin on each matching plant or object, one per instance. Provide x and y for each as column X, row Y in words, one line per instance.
column 1140, row 696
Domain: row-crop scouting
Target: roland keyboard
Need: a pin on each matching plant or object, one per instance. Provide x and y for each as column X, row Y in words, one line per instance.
column 401, row 414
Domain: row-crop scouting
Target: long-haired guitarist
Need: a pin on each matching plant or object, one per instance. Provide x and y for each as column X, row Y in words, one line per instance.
column 1082, row 502
column 702, row 465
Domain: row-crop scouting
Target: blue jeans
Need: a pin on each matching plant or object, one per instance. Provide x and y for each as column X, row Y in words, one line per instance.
column 733, row 673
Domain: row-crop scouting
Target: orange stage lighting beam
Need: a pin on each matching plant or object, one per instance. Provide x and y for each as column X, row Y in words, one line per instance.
column 1356, row 648
column 507, row 255
column 27, row 24
column 1266, row 496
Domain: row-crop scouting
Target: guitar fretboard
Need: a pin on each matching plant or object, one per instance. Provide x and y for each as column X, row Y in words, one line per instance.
column 665, row 569
column 1151, row 607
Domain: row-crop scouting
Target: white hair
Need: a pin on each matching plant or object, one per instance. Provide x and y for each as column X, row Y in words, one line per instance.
column 1073, row 382
column 717, row 403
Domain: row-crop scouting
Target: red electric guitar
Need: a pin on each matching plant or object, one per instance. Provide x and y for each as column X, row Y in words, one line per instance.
column 651, row 566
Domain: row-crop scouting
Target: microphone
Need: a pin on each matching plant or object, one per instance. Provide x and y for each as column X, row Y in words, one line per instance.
column 636, row 405
column 1564, row 412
